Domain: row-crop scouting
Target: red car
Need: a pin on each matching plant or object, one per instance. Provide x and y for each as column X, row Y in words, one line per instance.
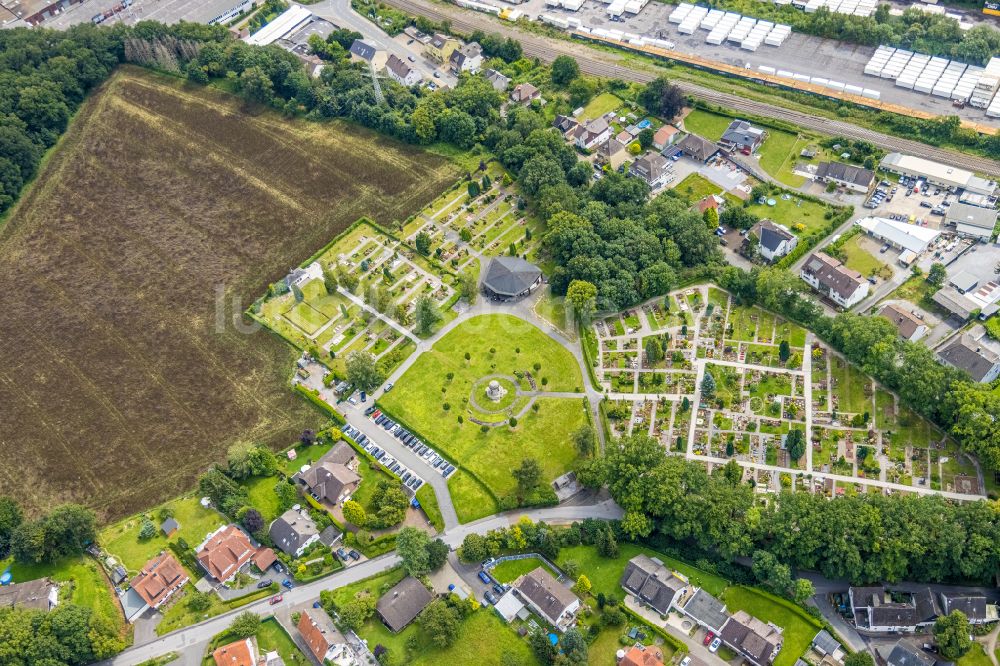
column 708, row 638
column 276, row 599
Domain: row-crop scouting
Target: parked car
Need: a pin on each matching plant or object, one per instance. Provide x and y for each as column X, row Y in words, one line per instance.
column 354, row 555
column 287, row 584
column 686, row 661
column 498, row 588
column 277, row 599
column 490, row 598
column 342, row 553
column 715, row 645
column 884, row 249
column 264, row 583
column 708, row 638
column 485, row 577
column 370, row 411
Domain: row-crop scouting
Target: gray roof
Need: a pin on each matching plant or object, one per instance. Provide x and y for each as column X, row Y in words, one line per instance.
column 169, row 525
column 847, row 173
column 894, row 615
column 32, row 594
column 403, row 603
column 772, row 235
column 697, row 147
column 510, row 276
column 905, row 654
column 954, row 302
column 974, row 216
column 291, row 530
column 329, row 536
column 927, row 608
column 974, row 606
column 707, row 610
column 751, row 637
column 825, row 643
column 650, row 167
column 652, row 582
column 833, row 275
column 545, row 593
column 906, row 324
column 397, row 66
column 742, row 133
column 966, row 353
column 498, row 79
column 363, row 49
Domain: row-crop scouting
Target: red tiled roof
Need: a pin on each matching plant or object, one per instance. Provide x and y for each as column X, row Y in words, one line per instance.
column 226, row 552
column 159, row 578
column 642, row 656
column 240, row 653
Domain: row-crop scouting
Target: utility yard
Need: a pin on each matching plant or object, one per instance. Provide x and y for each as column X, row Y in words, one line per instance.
column 123, row 375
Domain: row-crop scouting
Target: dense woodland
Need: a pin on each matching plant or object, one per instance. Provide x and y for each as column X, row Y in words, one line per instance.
column 864, row 538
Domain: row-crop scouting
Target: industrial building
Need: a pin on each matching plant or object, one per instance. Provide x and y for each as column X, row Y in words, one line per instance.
column 938, row 174
column 972, row 220
column 911, row 239
column 288, row 22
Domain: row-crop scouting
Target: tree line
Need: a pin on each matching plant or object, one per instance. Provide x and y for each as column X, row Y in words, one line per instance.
column 863, row 538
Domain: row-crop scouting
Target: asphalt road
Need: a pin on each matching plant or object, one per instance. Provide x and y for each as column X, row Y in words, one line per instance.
column 178, row 640
column 609, row 65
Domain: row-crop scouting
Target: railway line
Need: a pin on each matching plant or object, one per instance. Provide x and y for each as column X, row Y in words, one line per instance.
column 608, row 65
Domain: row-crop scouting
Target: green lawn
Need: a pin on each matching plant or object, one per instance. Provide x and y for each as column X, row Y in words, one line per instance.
column 420, row 396
column 599, row 106
column 860, row 259
column 471, row 499
column 429, row 503
column 779, row 150
column 122, row 538
column 483, row 639
column 273, row 637
column 177, row 615
column 262, row 496
column 697, row 187
column 511, row 570
column 792, row 211
column 799, row 628
column 605, row 574
column 708, row 125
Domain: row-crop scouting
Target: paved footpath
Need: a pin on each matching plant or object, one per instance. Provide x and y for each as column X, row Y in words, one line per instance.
column 181, row 639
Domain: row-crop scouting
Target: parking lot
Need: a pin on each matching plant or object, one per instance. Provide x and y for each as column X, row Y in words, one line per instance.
column 900, row 202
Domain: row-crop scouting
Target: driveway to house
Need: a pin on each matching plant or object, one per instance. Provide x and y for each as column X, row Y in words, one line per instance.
column 700, row 656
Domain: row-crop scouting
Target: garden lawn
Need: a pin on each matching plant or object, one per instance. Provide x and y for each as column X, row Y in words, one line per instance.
column 605, row 574
column 600, row 105
column 778, row 149
column 429, row 503
column 708, row 125
column 799, row 628
column 483, row 639
column 471, row 498
column 262, row 496
column 976, row 656
column 860, row 259
column 273, row 637
column 696, row 187
column 511, row 570
column 122, row 539
column 790, row 212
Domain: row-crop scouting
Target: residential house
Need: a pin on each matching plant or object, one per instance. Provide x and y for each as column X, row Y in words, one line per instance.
column 904, row 653
column 39, row 594
column 972, row 221
column 613, row 153
column 876, row 610
column 508, row 606
column 758, row 641
column 238, row 653
column 325, row 642
column 524, row 94
column 742, row 136
column 294, row 531
column 697, row 148
column 773, row 240
column 832, row 279
column 565, row 124
column 973, row 352
column 441, row 46
column 403, row 603
column 497, row 80
column 713, row 201
column 264, row 558
column 851, row 177
column 400, row 71
column 665, row 136
column 653, row 168
column 973, row 605
column 706, row 610
column 313, row 63
column 591, row 134
column 827, row 646
column 466, row 58
column 625, row 137
column 333, row 478
column 642, row 655
column 159, row 579
column 368, row 53
column 555, row 603
column 653, row 583
column 224, row 552
column 907, row 325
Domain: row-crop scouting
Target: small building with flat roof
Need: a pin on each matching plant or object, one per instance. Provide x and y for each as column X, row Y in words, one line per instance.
column 972, row 220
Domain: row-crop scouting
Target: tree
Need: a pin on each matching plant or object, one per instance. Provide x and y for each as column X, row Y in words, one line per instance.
column 287, row 497
column 363, row 371
column 528, row 476
column 437, row 554
column 937, row 274
column 803, row 590
column 542, row 646
column 583, row 440
column 607, row 544
column 654, row 350
column 355, row 513
column 770, row 573
column 784, row 351
column 708, row 386
column 256, row 85
column 10, row 518
column 473, row 188
column 574, row 647
column 245, row 460
column 147, row 530
column 662, row 98
column 426, row 314
column 582, row 586
column 468, row 287
column 411, row 546
column 245, row 625
column 564, row 69
column 252, row 520
column 474, row 548
column 440, row 622
column 711, row 217
column 357, row 611
column 795, row 442
column 582, row 298
column 646, row 138
column 951, row 632
column 423, row 243
column 330, row 279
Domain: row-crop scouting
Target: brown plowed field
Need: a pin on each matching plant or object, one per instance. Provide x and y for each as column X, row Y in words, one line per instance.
column 117, row 387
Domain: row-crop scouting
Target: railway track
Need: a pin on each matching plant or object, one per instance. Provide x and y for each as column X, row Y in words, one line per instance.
column 609, row 66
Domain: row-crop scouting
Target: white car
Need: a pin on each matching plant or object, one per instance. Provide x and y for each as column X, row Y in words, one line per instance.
column 686, row 661
column 715, row 644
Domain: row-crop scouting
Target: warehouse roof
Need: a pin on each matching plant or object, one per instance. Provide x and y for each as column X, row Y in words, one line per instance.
column 973, row 216
column 907, row 236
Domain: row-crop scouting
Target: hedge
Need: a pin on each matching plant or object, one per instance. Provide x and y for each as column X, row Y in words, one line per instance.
column 313, row 396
